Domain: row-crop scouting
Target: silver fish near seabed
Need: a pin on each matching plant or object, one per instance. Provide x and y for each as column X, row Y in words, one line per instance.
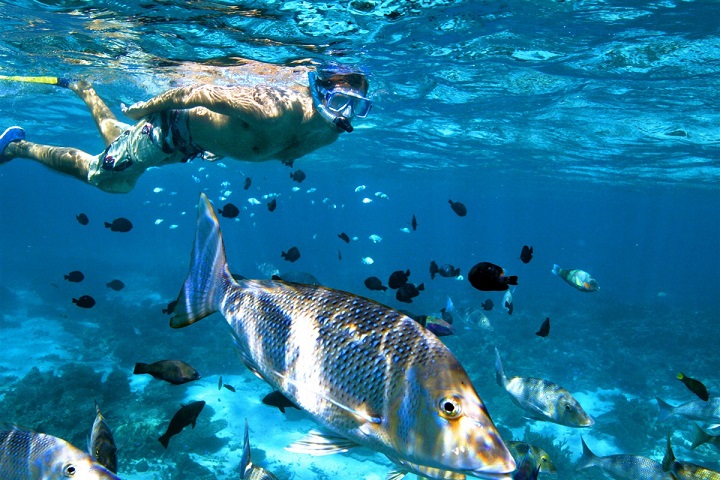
column 248, row 471
column 627, row 467
column 542, row 399
column 27, row 455
column 102, row 444
column 369, row 374
column 694, row 410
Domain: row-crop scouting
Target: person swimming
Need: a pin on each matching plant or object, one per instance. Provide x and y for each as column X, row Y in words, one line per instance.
column 250, row 123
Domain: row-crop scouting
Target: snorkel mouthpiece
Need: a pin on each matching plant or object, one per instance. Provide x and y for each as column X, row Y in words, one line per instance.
column 342, row 123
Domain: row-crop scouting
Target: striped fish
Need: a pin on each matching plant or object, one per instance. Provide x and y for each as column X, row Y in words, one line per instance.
column 27, row 455
column 543, row 400
column 248, row 471
column 369, row 374
column 102, row 444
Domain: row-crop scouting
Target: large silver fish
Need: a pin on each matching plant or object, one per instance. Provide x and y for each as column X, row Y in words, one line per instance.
column 102, row 444
column 368, row 373
column 542, row 399
column 248, row 471
column 627, row 467
column 27, row 455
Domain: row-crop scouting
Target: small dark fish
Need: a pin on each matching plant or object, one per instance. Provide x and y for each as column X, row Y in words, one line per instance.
column 229, row 211
column 119, row 225
column 487, row 305
column 170, row 308
column 272, row 205
column 544, row 328
column 248, row 182
column 509, row 307
column 229, row 387
column 458, row 208
column 187, row 415
column 344, row 237
column 82, row 219
column 102, row 444
column 448, row 271
column 526, row 254
column 434, row 269
column 220, row 382
column 304, row 278
column 75, row 276
column 407, row 291
column 398, row 278
column 489, row 277
column 339, row 255
column 374, row 283
column 176, row 372
column 298, row 176
column 277, row 399
column 291, row 255
column 413, row 223
column 116, row 285
column 694, row 386
column 237, row 277
column 86, row 301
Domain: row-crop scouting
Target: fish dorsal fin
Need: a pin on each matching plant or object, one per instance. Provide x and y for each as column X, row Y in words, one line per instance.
column 366, row 416
column 318, row 443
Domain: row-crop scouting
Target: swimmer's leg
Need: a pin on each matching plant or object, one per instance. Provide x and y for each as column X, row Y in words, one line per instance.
column 70, row 161
column 110, row 127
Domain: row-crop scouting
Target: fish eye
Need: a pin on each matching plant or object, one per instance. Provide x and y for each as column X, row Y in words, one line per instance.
column 450, row 406
column 69, row 470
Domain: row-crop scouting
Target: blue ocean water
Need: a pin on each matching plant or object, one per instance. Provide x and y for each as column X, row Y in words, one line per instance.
column 587, row 129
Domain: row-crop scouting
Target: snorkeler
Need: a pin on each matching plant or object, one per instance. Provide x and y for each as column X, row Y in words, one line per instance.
column 251, row 123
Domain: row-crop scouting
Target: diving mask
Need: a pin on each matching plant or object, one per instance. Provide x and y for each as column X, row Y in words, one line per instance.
column 336, row 103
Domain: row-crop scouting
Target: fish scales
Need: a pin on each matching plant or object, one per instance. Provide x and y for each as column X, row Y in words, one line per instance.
column 347, row 348
column 368, row 373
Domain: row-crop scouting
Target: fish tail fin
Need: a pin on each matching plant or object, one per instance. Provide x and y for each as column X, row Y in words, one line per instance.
column 512, row 280
column 499, row 372
column 700, row 437
column 141, row 368
column 666, row 410
column 164, row 440
column 556, row 269
column 588, row 458
column 209, row 277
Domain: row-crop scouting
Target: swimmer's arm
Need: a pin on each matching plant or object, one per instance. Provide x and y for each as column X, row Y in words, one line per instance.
column 232, row 101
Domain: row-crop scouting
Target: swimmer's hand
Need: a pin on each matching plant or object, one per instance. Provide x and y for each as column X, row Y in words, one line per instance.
column 135, row 111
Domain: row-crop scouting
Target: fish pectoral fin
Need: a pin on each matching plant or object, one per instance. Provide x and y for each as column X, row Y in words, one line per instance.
column 318, row 444
column 423, row 471
column 396, row 474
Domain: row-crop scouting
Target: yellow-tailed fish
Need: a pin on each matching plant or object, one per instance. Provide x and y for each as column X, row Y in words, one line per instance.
column 540, row 457
column 27, row 455
column 369, row 374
